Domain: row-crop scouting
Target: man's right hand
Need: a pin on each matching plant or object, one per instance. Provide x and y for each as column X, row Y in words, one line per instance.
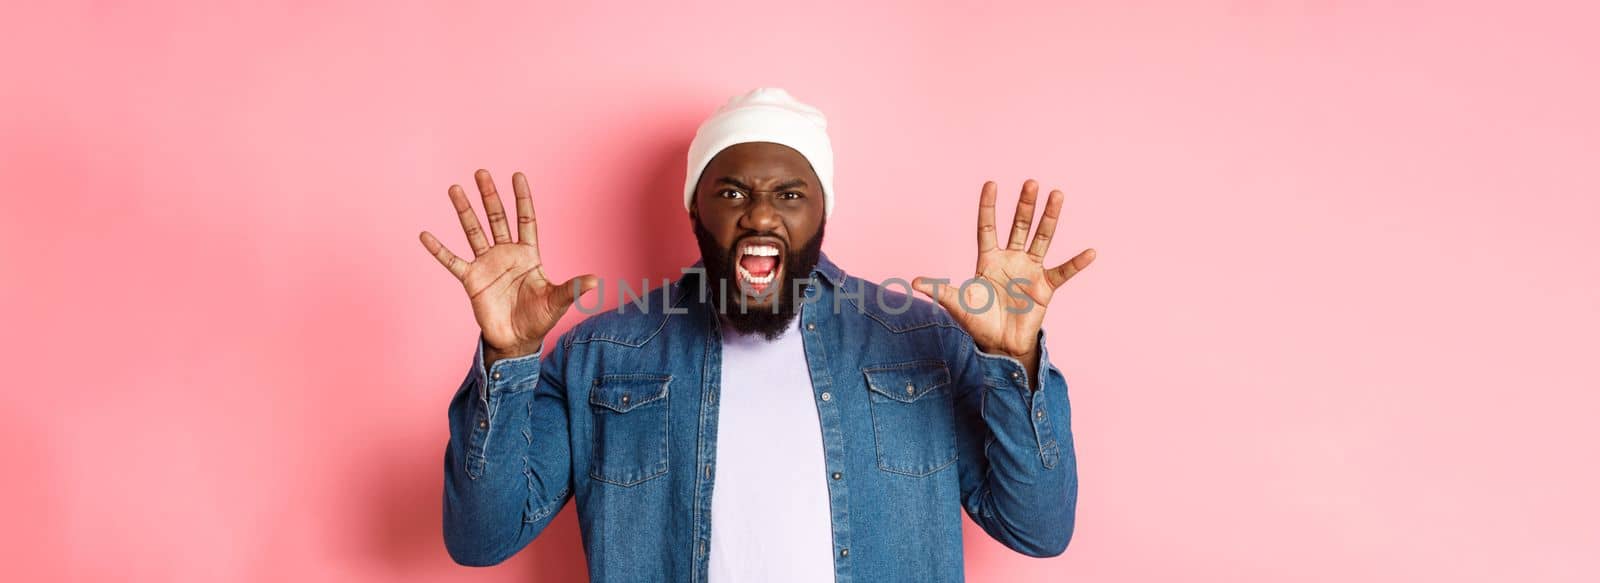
column 515, row 304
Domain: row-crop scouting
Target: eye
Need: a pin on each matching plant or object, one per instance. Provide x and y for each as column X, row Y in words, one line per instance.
column 790, row 195
column 730, row 193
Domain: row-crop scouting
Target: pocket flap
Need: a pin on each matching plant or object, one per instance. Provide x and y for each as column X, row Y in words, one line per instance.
column 907, row 381
column 625, row 392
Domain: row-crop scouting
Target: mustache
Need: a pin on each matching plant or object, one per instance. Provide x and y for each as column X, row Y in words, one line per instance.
column 733, row 248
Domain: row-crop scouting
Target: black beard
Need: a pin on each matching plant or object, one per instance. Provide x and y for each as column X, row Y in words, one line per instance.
column 769, row 322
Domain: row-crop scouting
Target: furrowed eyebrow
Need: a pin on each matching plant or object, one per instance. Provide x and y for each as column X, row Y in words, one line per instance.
column 793, row 183
column 796, row 183
column 733, row 183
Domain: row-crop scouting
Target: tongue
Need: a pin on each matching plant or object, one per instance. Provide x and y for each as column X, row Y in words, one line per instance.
column 758, row 265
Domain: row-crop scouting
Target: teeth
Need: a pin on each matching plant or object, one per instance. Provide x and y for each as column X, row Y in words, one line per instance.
column 759, row 251
column 745, row 274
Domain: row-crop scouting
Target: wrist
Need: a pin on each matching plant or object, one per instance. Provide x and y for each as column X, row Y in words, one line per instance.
column 1022, row 356
column 491, row 354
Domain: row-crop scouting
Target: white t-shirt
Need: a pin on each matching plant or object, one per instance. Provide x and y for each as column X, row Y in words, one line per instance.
column 770, row 518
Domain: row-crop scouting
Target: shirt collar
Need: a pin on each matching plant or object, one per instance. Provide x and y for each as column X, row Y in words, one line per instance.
column 829, row 271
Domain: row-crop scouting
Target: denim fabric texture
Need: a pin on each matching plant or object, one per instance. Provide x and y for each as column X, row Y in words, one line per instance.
column 620, row 413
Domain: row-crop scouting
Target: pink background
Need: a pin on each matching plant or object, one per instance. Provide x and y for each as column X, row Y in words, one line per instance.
column 1342, row 328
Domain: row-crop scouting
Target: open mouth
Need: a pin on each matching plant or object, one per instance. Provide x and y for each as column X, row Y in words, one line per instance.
column 759, row 264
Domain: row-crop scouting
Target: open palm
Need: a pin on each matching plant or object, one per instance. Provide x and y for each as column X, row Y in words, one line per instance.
column 1010, row 324
column 513, row 300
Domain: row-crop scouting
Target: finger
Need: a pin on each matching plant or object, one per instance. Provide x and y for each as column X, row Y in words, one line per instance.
column 469, row 220
column 1061, row 273
column 492, row 209
column 1047, row 226
column 1024, row 219
column 449, row 260
column 945, row 293
column 564, row 295
column 527, row 226
column 986, row 239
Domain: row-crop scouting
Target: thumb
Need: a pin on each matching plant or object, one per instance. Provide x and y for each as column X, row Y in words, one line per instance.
column 937, row 289
column 564, row 294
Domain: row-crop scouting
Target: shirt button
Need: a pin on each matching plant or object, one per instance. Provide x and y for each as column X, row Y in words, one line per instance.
column 483, row 423
column 1039, row 414
column 497, row 375
column 911, row 389
column 838, row 476
column 624, row 399
column 826, row 396
column 1015, row 375
column 811, row 325
column 844, row 552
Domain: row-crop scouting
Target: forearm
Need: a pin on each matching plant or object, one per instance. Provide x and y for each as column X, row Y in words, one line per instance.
column 1026, row 494
column 501, row 488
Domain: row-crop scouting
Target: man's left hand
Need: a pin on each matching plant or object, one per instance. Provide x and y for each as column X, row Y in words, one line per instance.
column 1020, row 286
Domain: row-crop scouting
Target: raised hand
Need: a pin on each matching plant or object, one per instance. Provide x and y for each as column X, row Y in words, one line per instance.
column 1010, row 325
column 515, row 304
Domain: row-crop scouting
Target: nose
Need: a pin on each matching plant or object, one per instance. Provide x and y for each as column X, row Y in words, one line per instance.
column 761, row 216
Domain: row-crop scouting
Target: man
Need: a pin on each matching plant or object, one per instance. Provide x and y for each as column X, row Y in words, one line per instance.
column 766, row 417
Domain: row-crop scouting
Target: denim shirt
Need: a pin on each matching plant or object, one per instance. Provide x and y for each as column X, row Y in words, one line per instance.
column 620, row 413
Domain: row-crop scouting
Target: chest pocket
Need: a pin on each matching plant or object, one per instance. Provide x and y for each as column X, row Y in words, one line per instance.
column 630, row 428
column 912, row 416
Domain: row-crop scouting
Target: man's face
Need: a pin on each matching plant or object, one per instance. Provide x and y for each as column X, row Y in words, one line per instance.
column 758, row 214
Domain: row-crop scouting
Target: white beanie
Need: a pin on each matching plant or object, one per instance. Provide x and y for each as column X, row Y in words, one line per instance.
column 766, row 114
